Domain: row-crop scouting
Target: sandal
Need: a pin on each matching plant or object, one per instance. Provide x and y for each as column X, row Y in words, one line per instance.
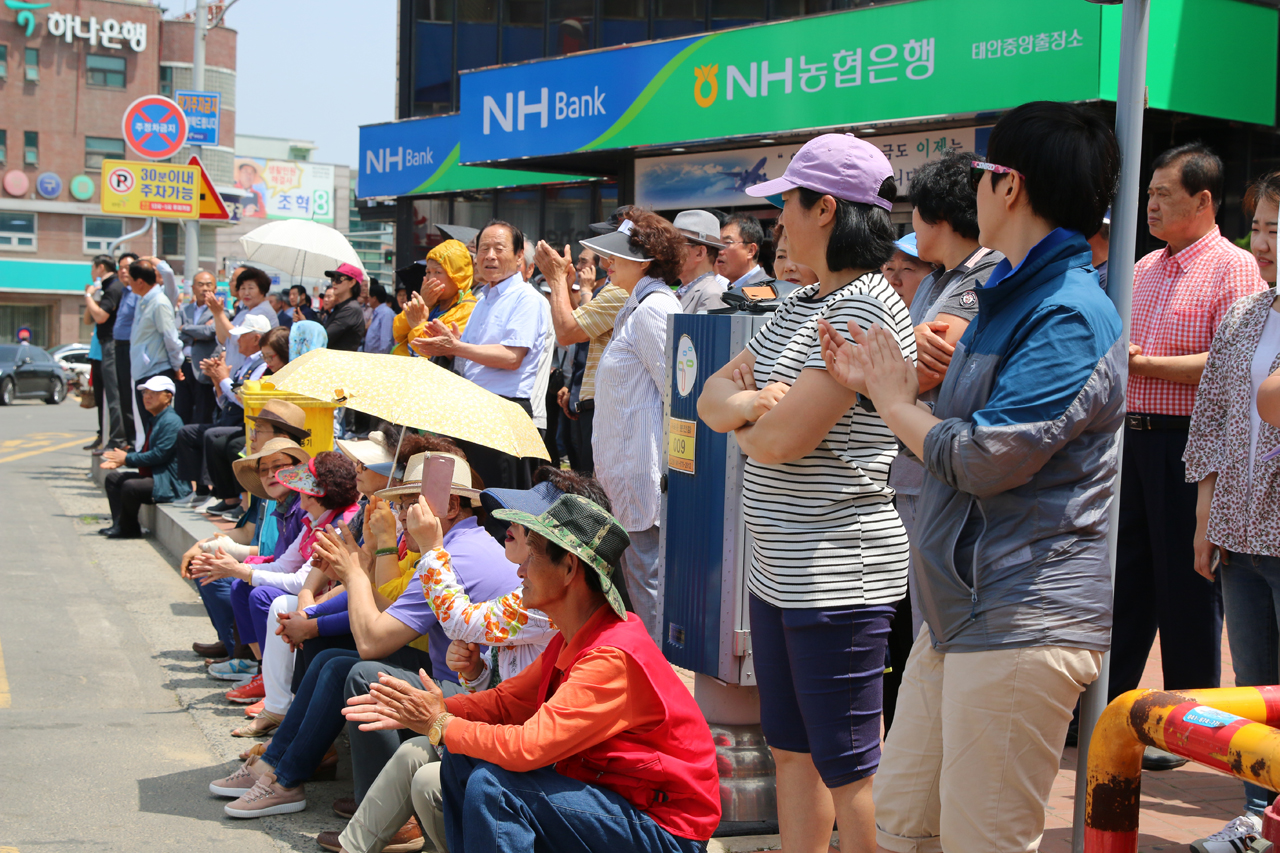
column 256, row 750
column 263, row 724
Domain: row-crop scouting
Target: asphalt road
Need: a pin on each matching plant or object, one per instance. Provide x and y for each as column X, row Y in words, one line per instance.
column 110, row 730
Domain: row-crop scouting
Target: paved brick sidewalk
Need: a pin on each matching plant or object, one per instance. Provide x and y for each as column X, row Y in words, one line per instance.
column 1178, row 806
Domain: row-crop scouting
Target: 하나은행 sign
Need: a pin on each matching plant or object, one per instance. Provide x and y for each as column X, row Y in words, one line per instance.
column 131, row 188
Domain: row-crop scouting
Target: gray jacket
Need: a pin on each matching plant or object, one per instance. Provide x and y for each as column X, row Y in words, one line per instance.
column 201, row 338
column 1011, row 527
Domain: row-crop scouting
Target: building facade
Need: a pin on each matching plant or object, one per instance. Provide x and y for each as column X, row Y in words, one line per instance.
column 68, row 71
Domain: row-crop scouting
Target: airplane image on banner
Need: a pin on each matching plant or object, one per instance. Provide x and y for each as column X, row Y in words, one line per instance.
column 748, row 177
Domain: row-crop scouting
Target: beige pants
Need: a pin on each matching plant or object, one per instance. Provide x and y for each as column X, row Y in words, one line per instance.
column 975, row 746
column 408, row 785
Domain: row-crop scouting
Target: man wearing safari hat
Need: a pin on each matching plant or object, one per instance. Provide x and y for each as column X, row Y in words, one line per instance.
column 701, row 285
column 597, row 745
column 156, row 480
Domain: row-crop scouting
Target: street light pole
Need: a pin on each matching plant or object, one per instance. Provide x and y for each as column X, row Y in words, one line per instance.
column 191, row 264
column 1131, row 101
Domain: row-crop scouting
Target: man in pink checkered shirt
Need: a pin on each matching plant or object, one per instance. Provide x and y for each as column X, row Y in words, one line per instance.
column 1180, row 295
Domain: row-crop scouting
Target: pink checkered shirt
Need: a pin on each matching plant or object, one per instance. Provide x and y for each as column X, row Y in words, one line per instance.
column 1178, row 302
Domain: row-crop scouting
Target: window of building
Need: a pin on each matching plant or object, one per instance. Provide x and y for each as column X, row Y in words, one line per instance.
column 30, row 147
column 169, row 239
column 477, row 33
column 105, row 70
column 31, row 67
column 4, row 146
column 570, row 26
column 166, row 80
column 433, row 57
column 97, row 149
column 799, row 8
column 568, row 215
column 521, row 209
column 474, row 209
column 99, row 231
column 522, row 30
column 299, row 153
column 17, row 232
column 4, row 61
column 673, row 18
column 624, row 22
column 737, row 13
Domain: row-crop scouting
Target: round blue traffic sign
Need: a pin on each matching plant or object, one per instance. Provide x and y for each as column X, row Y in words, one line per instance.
column 154, row 127
column 49, row 185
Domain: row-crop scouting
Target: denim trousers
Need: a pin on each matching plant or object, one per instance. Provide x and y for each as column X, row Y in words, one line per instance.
column 216, row 596
column 1251, row 602
column 491, row 810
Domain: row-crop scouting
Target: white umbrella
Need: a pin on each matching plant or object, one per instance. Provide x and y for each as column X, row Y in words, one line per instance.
column 299, row 247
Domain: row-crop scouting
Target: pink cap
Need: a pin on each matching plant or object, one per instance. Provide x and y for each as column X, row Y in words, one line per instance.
column 350, row 270
column 835, row 164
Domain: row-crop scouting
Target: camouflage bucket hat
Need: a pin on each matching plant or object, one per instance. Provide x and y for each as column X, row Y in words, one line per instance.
column 586, row 531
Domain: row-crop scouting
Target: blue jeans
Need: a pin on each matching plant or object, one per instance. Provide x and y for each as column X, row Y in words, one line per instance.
column 314, row 719
column 491, row 810
column 1251, row 600
column 216, row 596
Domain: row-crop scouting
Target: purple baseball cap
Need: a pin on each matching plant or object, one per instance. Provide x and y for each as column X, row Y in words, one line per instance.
column 835, row 164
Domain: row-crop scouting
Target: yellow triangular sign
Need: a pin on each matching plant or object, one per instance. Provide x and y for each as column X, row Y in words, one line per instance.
column 211, row 206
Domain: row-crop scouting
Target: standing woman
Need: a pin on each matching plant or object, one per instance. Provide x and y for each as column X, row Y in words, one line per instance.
column 647, row 252
column 830, row 554
column 1238, row 503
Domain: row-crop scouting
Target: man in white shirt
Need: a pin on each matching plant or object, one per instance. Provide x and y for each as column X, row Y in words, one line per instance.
column 501, row 349
column 701, row 286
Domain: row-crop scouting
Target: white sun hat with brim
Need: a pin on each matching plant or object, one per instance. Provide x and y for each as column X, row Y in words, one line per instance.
column 413, row 478
column 617, row 244
column 367, row 451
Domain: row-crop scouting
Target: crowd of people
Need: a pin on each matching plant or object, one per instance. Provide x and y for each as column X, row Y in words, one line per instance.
column 931, row 426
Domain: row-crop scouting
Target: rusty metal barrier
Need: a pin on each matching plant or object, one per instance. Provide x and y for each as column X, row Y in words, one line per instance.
column 1232, row 730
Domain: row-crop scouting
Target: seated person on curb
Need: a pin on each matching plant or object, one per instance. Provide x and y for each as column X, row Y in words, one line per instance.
column 156, row 480
column 597, row 746
column 278, row 527
column 326, row 493
column 272, row 783
column 410, row 783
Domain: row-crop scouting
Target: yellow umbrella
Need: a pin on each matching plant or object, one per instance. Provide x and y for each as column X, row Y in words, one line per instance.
column 413, row 392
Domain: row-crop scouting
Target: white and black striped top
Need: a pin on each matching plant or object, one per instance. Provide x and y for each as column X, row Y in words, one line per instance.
column 826, row 532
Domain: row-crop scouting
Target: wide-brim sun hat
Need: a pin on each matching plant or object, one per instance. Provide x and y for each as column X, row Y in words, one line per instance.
column 835, row 164
column 367, row 451
column 246, row 469
column 302, row 479
column 284, row 417
column 583, row 528
column 617, row 244
column 461, row 485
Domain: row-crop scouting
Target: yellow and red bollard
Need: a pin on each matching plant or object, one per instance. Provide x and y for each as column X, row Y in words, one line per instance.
column 1232, row 730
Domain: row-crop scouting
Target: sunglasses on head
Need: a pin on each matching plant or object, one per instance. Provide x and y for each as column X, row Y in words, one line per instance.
column 979, row 167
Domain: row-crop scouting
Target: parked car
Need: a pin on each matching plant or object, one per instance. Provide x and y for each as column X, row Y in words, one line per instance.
column 28, row 371
column 74, row 359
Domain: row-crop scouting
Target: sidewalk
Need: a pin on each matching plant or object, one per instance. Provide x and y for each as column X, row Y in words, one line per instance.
column 1178, row 806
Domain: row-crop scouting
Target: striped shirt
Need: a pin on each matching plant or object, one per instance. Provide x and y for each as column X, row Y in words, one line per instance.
column 596, row 319
column 825, row 528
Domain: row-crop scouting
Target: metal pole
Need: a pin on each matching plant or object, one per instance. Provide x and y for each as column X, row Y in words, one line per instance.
column 1130, row 104
column 191, row 264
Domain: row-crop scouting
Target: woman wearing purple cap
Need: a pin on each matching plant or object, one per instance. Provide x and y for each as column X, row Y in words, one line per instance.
column 830, row 553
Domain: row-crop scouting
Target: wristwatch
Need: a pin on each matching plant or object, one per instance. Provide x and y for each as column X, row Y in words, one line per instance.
column 436, row 733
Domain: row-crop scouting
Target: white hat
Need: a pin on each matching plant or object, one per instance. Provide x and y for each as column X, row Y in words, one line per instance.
column 699, row 226
column 158, row 383
column 370, row 451
column 252, row 323
column 413, row 477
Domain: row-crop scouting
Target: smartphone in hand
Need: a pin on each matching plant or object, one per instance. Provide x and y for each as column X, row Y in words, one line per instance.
column 437, row 479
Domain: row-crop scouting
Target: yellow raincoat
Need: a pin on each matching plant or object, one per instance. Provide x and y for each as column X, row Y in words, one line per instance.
column 456, row 260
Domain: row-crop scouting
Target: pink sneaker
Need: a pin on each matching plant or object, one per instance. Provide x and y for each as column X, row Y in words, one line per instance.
column 237, row 783
column 267, row 798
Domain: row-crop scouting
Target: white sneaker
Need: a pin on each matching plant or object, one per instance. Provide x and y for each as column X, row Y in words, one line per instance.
column 206, row 503
column 1235, row 837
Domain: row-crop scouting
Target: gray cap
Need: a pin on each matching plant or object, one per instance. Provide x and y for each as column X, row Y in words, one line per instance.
column 699, row 226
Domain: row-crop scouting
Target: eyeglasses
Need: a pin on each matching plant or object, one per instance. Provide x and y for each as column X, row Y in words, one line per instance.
column 978, row 167
column 735, row 242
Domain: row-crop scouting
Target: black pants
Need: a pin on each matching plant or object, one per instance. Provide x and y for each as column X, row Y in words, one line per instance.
column 95, row 380
column 124, row 381
column 549, row 437
column 222, row 446
column 126, row 492
column 194, row 400
column 305, row 655
column 147, row 417
column 191, row 456
column 1156, row 583
column 580, row 432
column 899, row 649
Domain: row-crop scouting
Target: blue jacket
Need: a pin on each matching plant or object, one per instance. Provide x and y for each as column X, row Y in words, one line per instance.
column 1012, row 524
column 161, row 456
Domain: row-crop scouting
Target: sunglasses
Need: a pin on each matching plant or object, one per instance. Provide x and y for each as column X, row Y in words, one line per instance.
column 978, row 167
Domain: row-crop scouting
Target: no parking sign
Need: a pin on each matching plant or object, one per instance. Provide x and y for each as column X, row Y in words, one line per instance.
column 154, row 127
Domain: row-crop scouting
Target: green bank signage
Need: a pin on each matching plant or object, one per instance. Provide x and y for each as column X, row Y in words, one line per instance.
column 908, row 60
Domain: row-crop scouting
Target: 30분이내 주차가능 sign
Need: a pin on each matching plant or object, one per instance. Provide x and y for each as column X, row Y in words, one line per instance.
column 131, row 188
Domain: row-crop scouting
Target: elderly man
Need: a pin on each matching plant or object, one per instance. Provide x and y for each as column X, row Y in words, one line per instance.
column 590, row 324
column 156, row 478
column 122, row 331
column 251, row 286
column 1180, row 295
column 154, row 348
column 501, row 349
column 701, row 285
column 594, row 746
column 739, row 258
column 195, row 400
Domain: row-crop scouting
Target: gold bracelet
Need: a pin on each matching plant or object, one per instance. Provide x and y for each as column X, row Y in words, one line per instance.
column 436, row 733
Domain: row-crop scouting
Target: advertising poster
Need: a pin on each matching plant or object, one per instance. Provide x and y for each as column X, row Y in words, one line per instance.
column 285, row 189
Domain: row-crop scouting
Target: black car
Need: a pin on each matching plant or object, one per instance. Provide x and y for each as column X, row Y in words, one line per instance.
column 28, row 371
